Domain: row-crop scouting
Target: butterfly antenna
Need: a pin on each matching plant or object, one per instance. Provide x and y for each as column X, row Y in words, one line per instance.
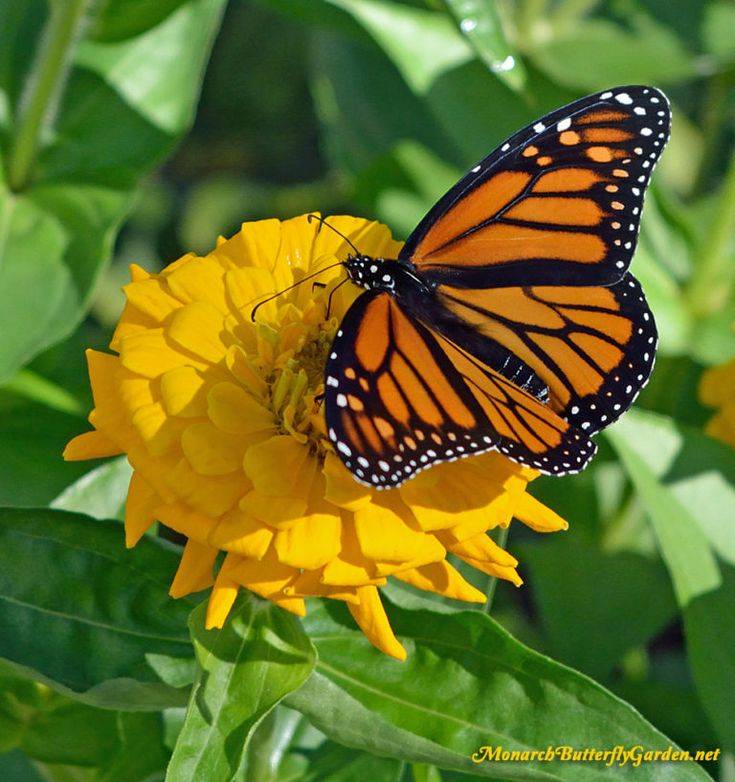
column 290, row 287
column 332, row 292
column 313, row 216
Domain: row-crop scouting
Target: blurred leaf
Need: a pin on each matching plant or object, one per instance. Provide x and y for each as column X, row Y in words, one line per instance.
column 100, row 493
column 480, row 23
column 664, row 295
column 421, row 43
column 120, row 19
column 68, row 584
column 466, row 683
column 70, row 733
column 354, row 84
column 717, row 30
column 596, row 54
column 567, row 573
column 332, row 762
column 673, row 391
column 140, row 755
column 655, row 453
column 32, row 437
column 16, row 767
column 695, row 471
column 710, row 636
column 713, row 337
column 246, row 668
column 125, row 106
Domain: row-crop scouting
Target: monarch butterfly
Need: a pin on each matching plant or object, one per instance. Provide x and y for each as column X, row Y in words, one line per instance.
column 509, row 320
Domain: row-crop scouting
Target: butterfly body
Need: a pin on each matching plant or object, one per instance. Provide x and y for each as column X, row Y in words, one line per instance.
column 509, row 320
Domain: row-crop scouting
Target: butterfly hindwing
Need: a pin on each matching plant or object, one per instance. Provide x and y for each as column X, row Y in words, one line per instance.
column 592, row 346
column 400, row 397
column 557, row 204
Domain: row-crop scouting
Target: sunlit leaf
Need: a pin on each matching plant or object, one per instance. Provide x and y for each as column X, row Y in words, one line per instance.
column 246, row 668
column 480, row 22
column 466, row 683
column 68, row 584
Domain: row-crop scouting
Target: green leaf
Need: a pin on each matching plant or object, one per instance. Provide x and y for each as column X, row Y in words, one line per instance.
column 717, row 27
column 121, row 19
column 332, row 762
column 140, row 755
column 125, row 106
column 683, row 473
column 32, row 438
column 710, row 637
column 100, row 493
column 480, row 23
column 68, row 584
column 466, row 683
column 587, row 56
column 595, row 640
column 246, row 668
column 687, row 483
column 421, row 43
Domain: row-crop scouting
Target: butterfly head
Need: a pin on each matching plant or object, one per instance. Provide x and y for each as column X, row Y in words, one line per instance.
column 372, row 272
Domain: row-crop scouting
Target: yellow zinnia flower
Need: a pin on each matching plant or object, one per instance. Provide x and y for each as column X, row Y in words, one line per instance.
column 221, row 419
column 717, row 390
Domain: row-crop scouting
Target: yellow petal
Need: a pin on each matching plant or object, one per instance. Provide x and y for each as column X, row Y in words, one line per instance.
column 220, row 601
column 90, row 445
column 373, row 621
column 437, row 496
column 148, row 353
column 498, row 571
column 159, row 432
column 442, row 578
column 198, row 328
column 242, row 369
column 149, row 297
column 188, row 522
column 132, row 321
column 246, row 287
column 199, row 280
column 309, row 584
column 383, row 534
column 235, row 411
column 498, row 513
column 484, row 548
column 313, row 540
column 350, row 567
column 266, row 577
column 183, row 392
column 140, row 509
column 138, row 273
column 341, row 488
column 537, row 516
column 242, row 534
column 211, row 451
column 195, row 569
column 282, row 469
column 211, row 495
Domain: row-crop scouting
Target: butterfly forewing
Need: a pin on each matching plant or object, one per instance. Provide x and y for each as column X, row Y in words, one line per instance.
column 592, row 346
column 557, row 204
column 400, row 397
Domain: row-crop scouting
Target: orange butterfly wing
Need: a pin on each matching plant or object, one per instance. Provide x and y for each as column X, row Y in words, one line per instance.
column 558, row 203
column 593, row 346
column 400, row 397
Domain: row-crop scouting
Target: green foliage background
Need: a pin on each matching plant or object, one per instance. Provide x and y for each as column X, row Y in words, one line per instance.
column 371, row 107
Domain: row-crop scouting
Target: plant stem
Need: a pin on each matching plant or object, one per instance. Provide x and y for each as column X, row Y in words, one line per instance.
column 43, row 87
column 712, row 282
column 501, row 539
